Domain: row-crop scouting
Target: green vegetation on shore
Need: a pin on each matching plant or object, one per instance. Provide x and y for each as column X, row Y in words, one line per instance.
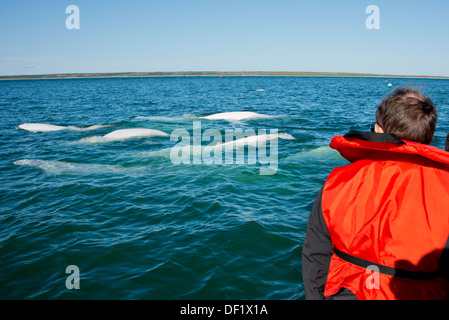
column 209, row 74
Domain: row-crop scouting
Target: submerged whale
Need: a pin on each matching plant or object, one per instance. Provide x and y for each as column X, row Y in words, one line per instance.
column 56, row 166
column 43, row 127
column 236, row 116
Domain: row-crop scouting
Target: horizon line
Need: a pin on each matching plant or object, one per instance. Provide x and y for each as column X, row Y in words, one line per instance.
column 84, row 75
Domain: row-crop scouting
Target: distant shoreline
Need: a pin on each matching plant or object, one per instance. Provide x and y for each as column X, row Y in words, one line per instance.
column 211, row 74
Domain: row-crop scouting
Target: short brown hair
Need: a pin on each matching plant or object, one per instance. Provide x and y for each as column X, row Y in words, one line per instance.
column 408, row 114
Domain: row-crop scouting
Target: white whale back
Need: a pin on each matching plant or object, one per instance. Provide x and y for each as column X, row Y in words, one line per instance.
column 124, row 134
column 253, row 140
column 235, row 116
column 40, row 127
column 44, row 127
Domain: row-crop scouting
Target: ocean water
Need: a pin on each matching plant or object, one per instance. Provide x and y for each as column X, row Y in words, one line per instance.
column 139, row 226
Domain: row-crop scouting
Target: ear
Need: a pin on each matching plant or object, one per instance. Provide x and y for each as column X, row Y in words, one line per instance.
column 378, row 129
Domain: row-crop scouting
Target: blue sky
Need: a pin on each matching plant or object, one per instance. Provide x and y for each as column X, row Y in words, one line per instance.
column 210, row 35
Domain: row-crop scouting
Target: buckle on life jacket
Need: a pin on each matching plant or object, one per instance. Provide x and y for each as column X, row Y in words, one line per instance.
column 394, row 272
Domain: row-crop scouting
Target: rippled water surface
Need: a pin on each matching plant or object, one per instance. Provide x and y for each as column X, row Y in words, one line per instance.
column 139, row 226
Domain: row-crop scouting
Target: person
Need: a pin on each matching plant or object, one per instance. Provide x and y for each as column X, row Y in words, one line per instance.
column 379, row 227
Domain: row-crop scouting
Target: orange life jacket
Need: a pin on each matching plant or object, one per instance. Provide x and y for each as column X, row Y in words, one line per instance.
column 389, row 207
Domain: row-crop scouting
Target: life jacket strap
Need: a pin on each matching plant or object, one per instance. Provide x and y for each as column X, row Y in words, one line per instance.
column 394, row 272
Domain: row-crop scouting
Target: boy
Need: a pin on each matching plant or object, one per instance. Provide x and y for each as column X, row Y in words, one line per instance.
column 379, row 227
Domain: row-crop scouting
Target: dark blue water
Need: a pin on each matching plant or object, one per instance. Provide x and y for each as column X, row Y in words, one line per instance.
column 138, row 226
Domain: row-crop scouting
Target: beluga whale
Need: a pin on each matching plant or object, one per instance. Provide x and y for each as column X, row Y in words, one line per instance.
column 125, row 134
column 254, row 140
column 56, row 167
column 44, row 127
column 236, row 116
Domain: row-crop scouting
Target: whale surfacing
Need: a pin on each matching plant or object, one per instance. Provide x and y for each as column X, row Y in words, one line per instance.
column 124, row 134
column 254, row 140
column 236, row 116
column 44, row 127
column 40, row 127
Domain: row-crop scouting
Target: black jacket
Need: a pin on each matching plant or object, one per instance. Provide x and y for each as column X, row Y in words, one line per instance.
column 316, row 256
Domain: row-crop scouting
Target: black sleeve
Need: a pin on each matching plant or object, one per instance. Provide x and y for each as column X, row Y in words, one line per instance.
column 316, row 253
column 446, row 147
column 444, row 261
